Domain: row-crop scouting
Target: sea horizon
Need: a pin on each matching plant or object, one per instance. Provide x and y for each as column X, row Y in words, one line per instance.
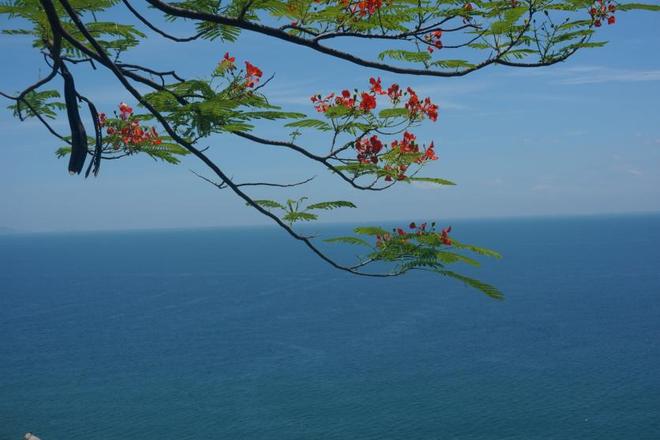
column 329, row 224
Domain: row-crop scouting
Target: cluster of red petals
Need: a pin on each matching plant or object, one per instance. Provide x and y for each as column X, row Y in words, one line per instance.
column 366, row 101
column 376, row 86
column 368, row 149
column 128, row 130
column 416, row 107
column 433, row 40
column 603, row 10
column 401, row 169
column 444, row 236
column 408, row 145
column 228, row 61
column 252, row 74
column 402, row 234
column 124, row 111
column 395, row 93
column 363, row 7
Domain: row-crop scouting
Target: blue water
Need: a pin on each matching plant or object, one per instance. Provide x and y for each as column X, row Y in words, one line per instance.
column 243, row 334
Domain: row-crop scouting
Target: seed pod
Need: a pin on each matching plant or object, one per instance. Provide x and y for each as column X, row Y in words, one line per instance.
column 95, row 164
column 78, row 134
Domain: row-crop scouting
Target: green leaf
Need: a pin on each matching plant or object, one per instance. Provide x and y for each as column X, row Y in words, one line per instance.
column 450, row 257
column 405, row 55
column 296, row 216
column 348, row 240
column 394, row 113
column 268, row 204
column 61, row 152
column 332, row 205
column 452, row 64
column 637, row 6
column 489, row 290
column 511, row 16
column 310, row 123
column 475, row 249
column 370, row 230
column 431, row 180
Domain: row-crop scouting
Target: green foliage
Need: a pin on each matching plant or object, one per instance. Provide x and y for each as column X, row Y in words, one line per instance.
column 231, row 100
column 41, row 103
column 297, row 210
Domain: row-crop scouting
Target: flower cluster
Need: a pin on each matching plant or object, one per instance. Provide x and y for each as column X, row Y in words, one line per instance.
column 228, row 64
column 433, row 40
column 603, row 10
column 366, row 101
column 417, row 108
column 252, row 74
column 408, row 145
column 368, row 149
column 400, row 234
column 126, row 131
column 363, row 7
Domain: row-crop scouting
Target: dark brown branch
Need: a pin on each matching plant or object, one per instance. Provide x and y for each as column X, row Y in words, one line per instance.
column 223, row 185
column 57, row 27
column 282, row 35
column 157, row 30
column 323, row 160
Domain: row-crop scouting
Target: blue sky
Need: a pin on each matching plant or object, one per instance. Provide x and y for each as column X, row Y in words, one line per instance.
column 582, row 137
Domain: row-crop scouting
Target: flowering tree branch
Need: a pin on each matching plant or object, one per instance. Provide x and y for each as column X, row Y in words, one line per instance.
column 371, row 144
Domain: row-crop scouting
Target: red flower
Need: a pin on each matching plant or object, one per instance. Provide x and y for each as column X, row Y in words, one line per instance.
column 368, row 149
column 444, row 236
column 611, row 20
column 125, row 110
column 253, row 74
column 394, row 92
column 429, row 154
column 368, row 102
column 345, row 99
column 376, row 86
column 400, row 231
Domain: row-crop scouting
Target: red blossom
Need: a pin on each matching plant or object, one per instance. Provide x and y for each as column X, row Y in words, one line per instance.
column 253, row 74
column 394, row 93
column 376, row 86
column 124, row 110
column 444, row 236
column 368, row 149
column 367, row 102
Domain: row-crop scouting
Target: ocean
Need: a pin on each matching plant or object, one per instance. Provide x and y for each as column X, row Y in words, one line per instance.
column 242, row 333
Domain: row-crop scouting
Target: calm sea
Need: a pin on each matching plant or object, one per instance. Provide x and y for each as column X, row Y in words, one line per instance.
column 243, row 334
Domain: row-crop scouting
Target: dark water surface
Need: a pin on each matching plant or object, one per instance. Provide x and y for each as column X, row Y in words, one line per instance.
column 243, row 334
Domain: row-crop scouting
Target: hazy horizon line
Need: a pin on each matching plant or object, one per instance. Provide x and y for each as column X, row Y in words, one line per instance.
column 5, row 230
